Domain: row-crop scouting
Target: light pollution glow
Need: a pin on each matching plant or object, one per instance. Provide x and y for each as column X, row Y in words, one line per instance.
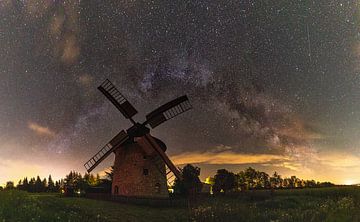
column 334, row 167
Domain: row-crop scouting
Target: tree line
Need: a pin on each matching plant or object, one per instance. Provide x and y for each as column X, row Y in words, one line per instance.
column 74, row 181
column 225, row 181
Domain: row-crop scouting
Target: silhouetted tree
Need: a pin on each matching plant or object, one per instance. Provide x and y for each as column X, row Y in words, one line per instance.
column 44, row 185
column 191, row 183
column 263, row 180
column 241, row 181
column 72, row 179
column 275, row 180
column 224, row 181
column 251, row 176
column 9, row 185
column 25, row 184
column 19, row 186
column 32, row 185
column 38, row 185
column 310, row 183
column 51, row 185
column 110, row 173
column 57, row 186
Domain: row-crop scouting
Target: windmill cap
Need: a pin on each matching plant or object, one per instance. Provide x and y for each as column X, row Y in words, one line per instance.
column 160, row 143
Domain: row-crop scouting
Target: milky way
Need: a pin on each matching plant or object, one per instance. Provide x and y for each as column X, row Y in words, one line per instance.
column 273, row 84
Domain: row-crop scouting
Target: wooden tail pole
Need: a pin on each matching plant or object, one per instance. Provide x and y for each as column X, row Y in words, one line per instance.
column 163, row 156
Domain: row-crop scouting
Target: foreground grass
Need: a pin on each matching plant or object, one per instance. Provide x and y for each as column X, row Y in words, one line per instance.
column 325, row 204
column 21, row 206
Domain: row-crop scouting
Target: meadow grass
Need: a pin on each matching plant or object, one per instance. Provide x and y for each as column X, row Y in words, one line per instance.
column 320, row 204
column 22, row 206
column 324, row 204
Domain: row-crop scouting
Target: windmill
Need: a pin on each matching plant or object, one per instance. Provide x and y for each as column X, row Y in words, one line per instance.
column 141, row 167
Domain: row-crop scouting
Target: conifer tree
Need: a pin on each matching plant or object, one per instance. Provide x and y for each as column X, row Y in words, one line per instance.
column 38, row 184
column 51, row 185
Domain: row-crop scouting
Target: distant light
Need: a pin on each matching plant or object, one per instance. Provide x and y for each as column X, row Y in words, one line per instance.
column 349, row 182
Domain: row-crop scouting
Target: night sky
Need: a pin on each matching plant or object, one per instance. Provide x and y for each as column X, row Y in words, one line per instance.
column 274, row 84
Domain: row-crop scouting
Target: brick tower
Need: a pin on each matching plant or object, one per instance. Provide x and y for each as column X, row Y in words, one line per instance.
column 137, row 174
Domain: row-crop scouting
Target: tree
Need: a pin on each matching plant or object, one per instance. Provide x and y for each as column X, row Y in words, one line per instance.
column 44, row 185
column 19, row 185
column 251, row 177
column 25, row 184
column 97, row 180
column 263, row 180
column 9, row 185
column 72, row 179
column 38, row 185
column 224, row 181
column 110, row 173
column 241, row 181
column 57, row 186
column 31, row 187
column 51, row 185
column 276, row 180
column 310, row 183
column 190, row 184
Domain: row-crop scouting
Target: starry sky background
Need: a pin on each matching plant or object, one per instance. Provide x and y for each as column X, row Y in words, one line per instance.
column 274, row 84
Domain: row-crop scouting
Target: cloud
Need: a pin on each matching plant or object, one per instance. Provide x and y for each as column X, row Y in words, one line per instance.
column 221, row 148
column 41, row 130
column 286, row 164
column 226, row 157
column 339, row 160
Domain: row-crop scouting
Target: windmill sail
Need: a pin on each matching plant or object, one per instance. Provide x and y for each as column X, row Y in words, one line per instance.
column 168, row 111
column 170, row 177
column 105, row 151
column 113, row 94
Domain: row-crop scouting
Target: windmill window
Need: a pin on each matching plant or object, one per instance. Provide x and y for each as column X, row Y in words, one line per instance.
column 146, row 172
column 157, row 187
column 116, row 190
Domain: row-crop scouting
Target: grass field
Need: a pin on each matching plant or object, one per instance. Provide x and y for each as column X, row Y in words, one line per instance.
column 22, row 206
column 325, row 204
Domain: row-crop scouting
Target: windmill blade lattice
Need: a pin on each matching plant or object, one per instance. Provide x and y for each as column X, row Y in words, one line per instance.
column 168, row 111
column 168, row 174
column 106, row 151
column 114, row 95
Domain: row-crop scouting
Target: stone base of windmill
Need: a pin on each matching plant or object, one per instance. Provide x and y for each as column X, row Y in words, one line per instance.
column 138, row 175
